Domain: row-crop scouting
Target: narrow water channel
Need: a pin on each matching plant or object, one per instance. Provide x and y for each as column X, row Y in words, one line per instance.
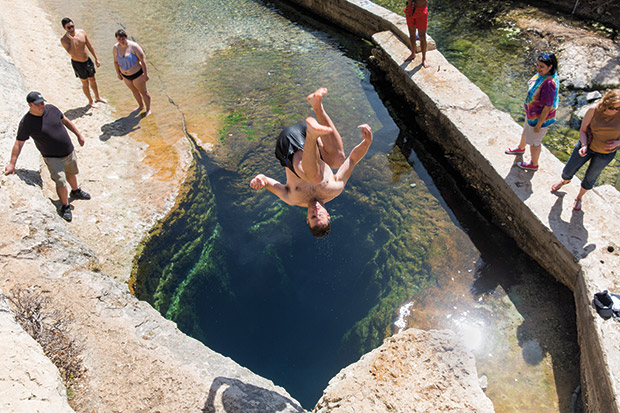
column 238, row 269
column 499, row 57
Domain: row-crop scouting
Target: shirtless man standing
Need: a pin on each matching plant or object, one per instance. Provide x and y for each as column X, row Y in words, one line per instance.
column 416, row 12
column 75, row 41
column 310, row 181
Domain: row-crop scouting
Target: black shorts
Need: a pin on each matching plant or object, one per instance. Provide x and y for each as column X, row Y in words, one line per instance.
column 290, row 140
column 133, row 76
column 83, row 70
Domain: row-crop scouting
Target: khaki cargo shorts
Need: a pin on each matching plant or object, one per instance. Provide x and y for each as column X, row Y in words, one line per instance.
column 60, row 167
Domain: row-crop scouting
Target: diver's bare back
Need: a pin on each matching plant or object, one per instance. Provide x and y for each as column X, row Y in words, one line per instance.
column 300, row 193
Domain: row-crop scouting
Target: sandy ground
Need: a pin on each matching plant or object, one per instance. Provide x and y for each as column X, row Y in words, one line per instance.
column 126, row 197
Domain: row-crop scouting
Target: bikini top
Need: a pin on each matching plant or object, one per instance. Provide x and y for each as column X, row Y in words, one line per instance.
column 126, row 62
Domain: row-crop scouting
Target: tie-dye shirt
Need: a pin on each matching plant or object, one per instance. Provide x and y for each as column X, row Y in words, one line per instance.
column 542, row 91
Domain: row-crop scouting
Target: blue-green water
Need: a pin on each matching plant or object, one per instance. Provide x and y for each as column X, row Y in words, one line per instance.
column 239, row 270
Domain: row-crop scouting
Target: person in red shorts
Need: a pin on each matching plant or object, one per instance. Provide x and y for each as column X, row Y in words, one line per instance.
column 416, row 12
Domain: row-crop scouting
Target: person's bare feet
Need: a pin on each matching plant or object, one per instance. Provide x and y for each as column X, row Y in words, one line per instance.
column 147, row 113
column 425, row 64
column 410, row 58
column 138, row 109
column 315, row 99
column 93, row 105
column 100, row 99
column 315, row 129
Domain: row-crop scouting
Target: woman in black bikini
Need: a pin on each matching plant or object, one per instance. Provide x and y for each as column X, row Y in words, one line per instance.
column 130, row 65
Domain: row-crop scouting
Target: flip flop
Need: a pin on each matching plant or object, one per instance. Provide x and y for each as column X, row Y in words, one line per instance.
column 577, row 204
column 557, row 186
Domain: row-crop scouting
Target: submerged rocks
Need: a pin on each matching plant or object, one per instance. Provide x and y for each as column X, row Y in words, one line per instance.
column 413, row 371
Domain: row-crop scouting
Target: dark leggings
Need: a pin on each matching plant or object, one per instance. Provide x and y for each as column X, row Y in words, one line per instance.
column 598, row 161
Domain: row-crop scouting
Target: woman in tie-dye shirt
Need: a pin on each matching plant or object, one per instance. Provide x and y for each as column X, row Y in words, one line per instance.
column 540, row 105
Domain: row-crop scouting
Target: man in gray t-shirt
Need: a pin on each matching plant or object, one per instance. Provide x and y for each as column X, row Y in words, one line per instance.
column 47, row 126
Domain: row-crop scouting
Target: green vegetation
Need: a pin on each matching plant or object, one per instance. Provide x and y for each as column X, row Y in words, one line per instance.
column 182, row 255
column 498, row 59
column 406, row 221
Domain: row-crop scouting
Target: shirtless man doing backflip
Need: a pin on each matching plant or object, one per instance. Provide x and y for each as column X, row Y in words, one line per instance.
column 416, row 12
column 309, row 151
column 75, row 41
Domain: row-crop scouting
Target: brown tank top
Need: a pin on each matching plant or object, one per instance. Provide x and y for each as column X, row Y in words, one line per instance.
column 604, row 128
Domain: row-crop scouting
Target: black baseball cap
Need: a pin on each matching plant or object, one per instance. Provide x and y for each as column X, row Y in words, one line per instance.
column 35, row 98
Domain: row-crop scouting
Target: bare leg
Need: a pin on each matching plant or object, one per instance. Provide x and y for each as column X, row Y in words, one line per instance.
column 522, row 141
column 63, row 194
column 311, row 158
column 422, row 34
column 577, row 204
column 331, row 147
column 72, row 180
column 140, row 84
column 136, row 93
column 535, row 152
column 412, row 40
column 93, row 85
column 86, row 90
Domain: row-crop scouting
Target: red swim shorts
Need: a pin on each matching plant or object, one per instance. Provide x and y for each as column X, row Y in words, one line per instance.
column 419, row 18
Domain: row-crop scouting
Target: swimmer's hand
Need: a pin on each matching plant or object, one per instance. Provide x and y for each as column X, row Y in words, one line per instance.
column 366, row 132
column 258, row 182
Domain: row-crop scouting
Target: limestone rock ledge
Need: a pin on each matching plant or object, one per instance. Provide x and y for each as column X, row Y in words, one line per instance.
column 27, row 374
column 413, row 371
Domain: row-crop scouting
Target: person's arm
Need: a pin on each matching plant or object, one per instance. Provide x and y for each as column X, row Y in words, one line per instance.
column 141, row 58
column 543, row 117
column 409, row 7
column 548, row 92
column 356, row 155
column 116, row 66
column 69, row 125
column 66, row 43
column 583, row 136
column 270, row 184
column 17, row 149
column 611, row 145
column 91, row 49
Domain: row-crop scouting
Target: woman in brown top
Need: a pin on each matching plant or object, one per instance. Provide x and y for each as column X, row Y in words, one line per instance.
column 599, row 138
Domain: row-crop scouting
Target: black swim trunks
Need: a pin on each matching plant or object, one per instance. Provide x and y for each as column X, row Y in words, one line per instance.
column 83, row 70
column 134, row 76
column 290, row 140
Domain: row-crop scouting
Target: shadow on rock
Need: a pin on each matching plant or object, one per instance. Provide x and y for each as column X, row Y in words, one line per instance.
column 233, row 396
column 574, row 229
column 120, row 127
column 73, row 114
column 32, row 178
column 521, row 179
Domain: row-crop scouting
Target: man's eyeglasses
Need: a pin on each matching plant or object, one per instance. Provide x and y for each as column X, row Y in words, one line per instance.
column 70, row 26
column 617, row 109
